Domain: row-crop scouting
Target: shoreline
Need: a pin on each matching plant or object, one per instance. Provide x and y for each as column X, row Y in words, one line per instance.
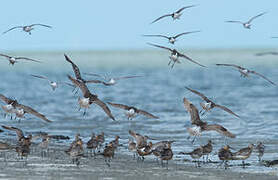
column 58, row 166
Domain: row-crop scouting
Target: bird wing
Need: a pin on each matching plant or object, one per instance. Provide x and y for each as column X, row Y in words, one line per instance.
column 126, row 77
column 41, row 77
column 218, row 128
column 181, row 9
column 235, row 22
column 5, row 99
column 94, row 81
column 178, row 35
column 81, row 85
column 97, row 75
column 233, row 65
column 104, row 107
column 74, row 67
column 194, row 113
column 4, row 55
column 158, row 35
column 161, row 18
column 226, row 109
column 145, row 113
column 199, row 94
column 121, row 106
column 41, row 25
column 12, row 29
column 28, row 59
column 33, row 112
column 18, row 131
column 254, row 72
column 169, row 49
column 255, row 17
column 188, row 58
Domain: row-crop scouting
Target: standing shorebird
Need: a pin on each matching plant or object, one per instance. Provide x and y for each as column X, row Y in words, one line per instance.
column 109, row 81
column 75, row 150
column 201, row 125
column 132, row 111
column 132, row 147
column 27, row 28
column 195, row 154
column 225, row 155
column 244, row 72
column 53, row 84
column 243, row 154
column 89, row 98
column 175, row 15
column 108, row 153
column 12, row 60
column 21, row 110
column 207, row 149
column 171, row 39
column 247, row 24
column 163, row 151
column 175, row 55
column 260, row 147
column 208, row 105
column 92, row 144
column 141, row 141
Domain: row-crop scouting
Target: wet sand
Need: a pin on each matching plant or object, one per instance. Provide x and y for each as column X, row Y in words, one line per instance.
column 58, row 166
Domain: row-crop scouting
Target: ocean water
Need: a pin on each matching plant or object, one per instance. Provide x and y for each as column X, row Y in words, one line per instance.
column 160, row 91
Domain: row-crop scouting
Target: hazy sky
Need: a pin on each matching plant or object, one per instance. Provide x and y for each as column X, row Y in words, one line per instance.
column 119, row 24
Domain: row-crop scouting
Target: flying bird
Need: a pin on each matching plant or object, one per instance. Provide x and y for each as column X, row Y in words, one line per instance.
column 208, row 105
column 27, row 28
column 109, row 81
column 244, row 72
column 202, row 125
column 172, row 39
column 21, row 139
column 77, row 72
column 20, row 110
column 53, row 84
column 247, row 24
column 14, row 60
column 132, row 111
column 89, row 98
column 174, row 57
column 175, row 15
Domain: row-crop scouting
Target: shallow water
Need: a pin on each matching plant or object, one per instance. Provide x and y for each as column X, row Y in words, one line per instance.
column 160, row 91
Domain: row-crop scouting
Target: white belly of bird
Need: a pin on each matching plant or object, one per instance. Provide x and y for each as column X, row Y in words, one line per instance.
column 111, row 81
column 84, row 102
column 19, row 113
column 174, row 57
column 54, row 85
column 172, row 40
column 131, row 113
column 206, row 106
column 8, row 108
column 27, row 28
column 176, row 16
column 194, row 131
column 247, row 25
